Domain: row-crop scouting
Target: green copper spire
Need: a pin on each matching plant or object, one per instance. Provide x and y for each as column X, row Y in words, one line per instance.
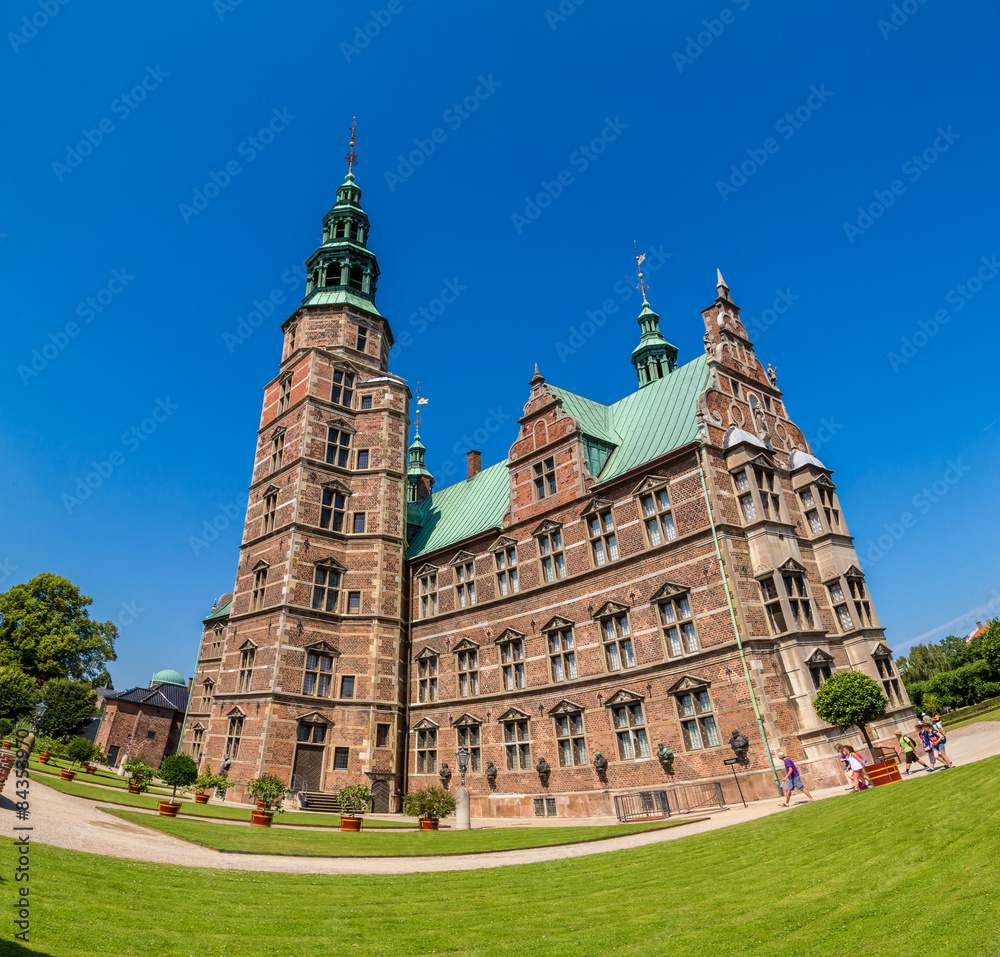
column 343, row 261
column 416, row 470
column 654, row 358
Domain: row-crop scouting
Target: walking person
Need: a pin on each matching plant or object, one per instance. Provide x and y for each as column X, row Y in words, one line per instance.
column 842, row 751
column 857, row 763
column 792, row 780
column 938, row 739
column 909, row 748
column 924, row 733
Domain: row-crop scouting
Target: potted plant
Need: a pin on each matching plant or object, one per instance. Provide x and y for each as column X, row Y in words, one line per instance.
column 140, row 773
column 353, row 798
column 176, row 771
column 430, row 805
column 79, row 751
column 267, row 791
column 206, row 781
column 48, row 748
column 6, row 727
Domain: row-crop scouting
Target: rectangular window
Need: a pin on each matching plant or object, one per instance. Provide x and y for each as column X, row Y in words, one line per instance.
column 465, row 585
column 657, row 517
column 337, row 447
column 366, row 402
column 427, row 679
column 359, row 522
column 603, row 543
column 512, row 663
column 362, row 341
column 270, row 507
column 768, row 489
column 553, row 563
column 506, row 567
column 427, row 587
column 468, row 737
column 341, row 758
column 347, row 686
column 678, row 628
column 233, row 735
column 284, row 393
column 318, row 672
column 617, row 643
column 815, row 525
column 517, row 745
column 362, row 458
column 799, row 604
column 326, row 588
column 150, row 735
column 630, row 731
column 331, row 513
column 314, row 733
column 570, row 743
column 807, row 499
column 277, row 451
column 354, row 603
column 697, row 722
column 343, row 388
column 196, row 742
column 427, row 757
column 381, row 736
column 246, row 669
column 468, row 673
column 820, row 672
column 545, row 479
column 257, row 592
column 562, row 655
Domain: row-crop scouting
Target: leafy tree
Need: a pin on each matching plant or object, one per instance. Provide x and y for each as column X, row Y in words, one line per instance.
column 178, row 771
column 969, row 684
column 18, row 693
column 923, row 662
column 989, row 646
column 851, row 698
column 46, row 630
column 102, row 680
column 71, row 704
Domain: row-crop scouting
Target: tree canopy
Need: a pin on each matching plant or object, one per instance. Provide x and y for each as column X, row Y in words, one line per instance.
column 71, row 704
column 47, row 632
column 851, row 698
column 18, row 693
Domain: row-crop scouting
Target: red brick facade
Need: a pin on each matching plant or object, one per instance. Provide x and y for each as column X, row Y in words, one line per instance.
column 155, row 732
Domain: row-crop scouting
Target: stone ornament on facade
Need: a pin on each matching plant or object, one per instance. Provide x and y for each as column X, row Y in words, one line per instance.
column 665, row 755
column 740, row 745
column 544, row 771
column 445, row 774
column 491, row 775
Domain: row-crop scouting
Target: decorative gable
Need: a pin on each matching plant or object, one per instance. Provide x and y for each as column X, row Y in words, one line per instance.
column 248, row 645
column 501, row 543
column 792, row 566
column 649, row 483
column 426, row 653
column 462, row 557
column 322, row 648
column 854, row 572
column 558, row 623
column 279, row 430
column 668, row 590
column 566, row 707
column 426, row 569
column 623, row 697
column 341, row 424
column 825, row 481
column 547, row 526
column 236, row 712
column 881, row 651
column 313, row 717
column 610, row 609
column 331, row 563
column 819, row 657
column 334, row 486
column 466, row 721
column 508, row 634
column 261, row 564
column 689, row 683
column 270, row 490
column 514, row 714
column 596, row 505
column 466, row 644
column 764, row 460
column 425, row 724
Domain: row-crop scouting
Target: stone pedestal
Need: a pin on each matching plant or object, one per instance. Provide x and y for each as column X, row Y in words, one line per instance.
column 463, row 816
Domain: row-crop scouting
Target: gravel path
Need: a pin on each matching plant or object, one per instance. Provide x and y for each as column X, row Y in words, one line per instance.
column 78, row 824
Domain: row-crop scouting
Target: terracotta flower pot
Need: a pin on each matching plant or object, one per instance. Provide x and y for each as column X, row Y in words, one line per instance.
column 90, row 769
column 201, row 799
column 260, row 805
column 6, row 745
column 43, row 757
column 168, row 808
column 134, row 789
column 261, row 818
column 67, row 775
column 429, row 824
column 350, row 823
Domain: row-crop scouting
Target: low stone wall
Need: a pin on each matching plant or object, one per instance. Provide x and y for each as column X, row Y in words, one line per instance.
column 6, row 766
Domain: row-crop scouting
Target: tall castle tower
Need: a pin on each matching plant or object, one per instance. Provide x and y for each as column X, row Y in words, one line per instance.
column 302, row 671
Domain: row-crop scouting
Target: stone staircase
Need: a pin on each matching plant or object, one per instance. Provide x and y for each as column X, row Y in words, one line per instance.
column 323, row 801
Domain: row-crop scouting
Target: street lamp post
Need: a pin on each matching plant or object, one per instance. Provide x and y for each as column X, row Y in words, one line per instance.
column 463, row 815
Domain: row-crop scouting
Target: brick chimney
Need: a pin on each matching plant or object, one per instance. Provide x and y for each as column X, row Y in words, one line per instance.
column 475, row 460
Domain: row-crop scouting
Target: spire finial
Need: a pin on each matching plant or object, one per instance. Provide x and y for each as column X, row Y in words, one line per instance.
column 639, row 260
column 720, row 284
column 420, row 401
column 536, row 369
column 350, row 155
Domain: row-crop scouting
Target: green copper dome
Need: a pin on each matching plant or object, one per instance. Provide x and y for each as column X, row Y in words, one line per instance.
column 170, row 677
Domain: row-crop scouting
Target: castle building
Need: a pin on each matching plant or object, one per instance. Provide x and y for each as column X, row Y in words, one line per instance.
column 606, row 610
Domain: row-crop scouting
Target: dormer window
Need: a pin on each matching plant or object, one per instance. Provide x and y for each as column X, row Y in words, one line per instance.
column 545, row 479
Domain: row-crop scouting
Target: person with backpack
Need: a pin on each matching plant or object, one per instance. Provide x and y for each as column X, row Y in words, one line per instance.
column 909, row 748
column 857, row 763
column 937, row 741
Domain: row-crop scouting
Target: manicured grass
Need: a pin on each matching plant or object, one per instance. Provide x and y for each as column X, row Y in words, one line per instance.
column 992, row 715
column 260, row 840
column 149, row 802
column 104, row 778
column 898, row 870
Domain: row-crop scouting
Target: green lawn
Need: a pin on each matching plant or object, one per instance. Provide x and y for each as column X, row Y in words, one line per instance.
column 107, row 778
column 260, row 840
column 227, row 812
column 991, row 715
column 898, row 870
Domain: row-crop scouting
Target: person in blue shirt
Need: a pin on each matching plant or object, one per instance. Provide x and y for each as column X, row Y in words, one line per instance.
column 792, row 780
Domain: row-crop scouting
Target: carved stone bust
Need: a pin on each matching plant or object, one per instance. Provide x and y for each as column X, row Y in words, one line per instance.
column 543, row 770
column 445, row 774
column 600, row 762
column 491, row 774
column 740, row 745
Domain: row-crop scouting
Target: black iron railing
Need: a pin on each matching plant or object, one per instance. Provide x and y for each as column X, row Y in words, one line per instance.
column 680, row 799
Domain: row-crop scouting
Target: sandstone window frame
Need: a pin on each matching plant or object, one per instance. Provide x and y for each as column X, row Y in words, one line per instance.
column 318, row 670
column 326, row 585
column 696, row 713
column 788, row 600
column 197, row 740
column 334, row 498
column 337, row 447
column 570, row 729
column 270, row 497
column 599, row 521
column 466, row 668
column 428, row 668
column 259, row 586
column 513, row 661
column 427, row 591
column 543, row 478
column 560, row 643
column 426, row 747
column 342, row 380
column 676, row 618
column 277, row 449
column 516, row 726
column 504, row 552
column 463, row 568
column 218, row 638
column 234, row 733
column 758, row 491
column 821, row 667
column 207, row 695
column 551, row 555
column 821, row 507
column 468, row 734
column 628, row 722
column 882, row 657
column 616, row 636
column 284, row 392
column 244, row 674
column 656, row 510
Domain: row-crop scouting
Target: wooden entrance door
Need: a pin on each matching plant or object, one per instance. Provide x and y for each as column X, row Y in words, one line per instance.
column 113, row 755
column 380, row 797
column 309, row 766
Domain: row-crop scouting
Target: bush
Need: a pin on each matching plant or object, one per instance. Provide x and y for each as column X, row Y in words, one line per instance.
column 963, row 686
column 6, row 727
column 354, row 798
column 269, row 789
column 81, row 751
column 140, row 771
column 54, row 746
column 206, row 781
column 178, row 771
column 432, row 802
column 851, row 698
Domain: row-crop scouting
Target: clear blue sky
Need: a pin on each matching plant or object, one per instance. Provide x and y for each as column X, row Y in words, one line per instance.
column 674, row 113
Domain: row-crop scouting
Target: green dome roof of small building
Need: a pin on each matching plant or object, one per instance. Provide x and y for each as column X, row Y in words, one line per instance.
column 170, row 677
